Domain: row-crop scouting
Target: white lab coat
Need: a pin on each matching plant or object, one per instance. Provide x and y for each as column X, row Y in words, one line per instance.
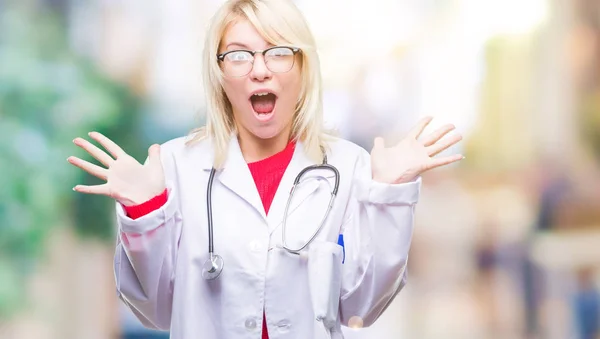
column 159, row 257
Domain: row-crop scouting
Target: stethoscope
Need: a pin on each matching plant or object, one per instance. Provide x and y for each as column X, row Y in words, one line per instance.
column 213, row 266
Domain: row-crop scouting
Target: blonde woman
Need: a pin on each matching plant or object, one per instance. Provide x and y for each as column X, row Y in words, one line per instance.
column 210, row 245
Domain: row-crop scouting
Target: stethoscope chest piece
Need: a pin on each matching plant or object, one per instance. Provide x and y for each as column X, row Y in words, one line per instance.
column 212, row 267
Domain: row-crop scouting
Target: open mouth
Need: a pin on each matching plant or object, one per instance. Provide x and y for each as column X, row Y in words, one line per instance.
column 263, row 104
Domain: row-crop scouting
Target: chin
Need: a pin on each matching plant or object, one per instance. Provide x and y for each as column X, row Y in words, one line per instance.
column 267, row 132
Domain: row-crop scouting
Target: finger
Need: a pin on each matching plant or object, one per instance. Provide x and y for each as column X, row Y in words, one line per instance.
column 94, row 151
column 378, row 143
column 92, row 169
column 437, row 135
column 443, row 145
column 108, row 144
column 438, row 162
column 417, row 130
column 154, row 154
column 95, row 189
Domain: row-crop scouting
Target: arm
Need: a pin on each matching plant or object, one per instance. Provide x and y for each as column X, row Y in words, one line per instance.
column 147, row 245
column 144, row 264
column 145, row 256
column 377, row 235
column 380, row 217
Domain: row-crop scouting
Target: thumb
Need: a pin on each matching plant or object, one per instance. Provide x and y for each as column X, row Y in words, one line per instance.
column 154, row 154
column 378, row 143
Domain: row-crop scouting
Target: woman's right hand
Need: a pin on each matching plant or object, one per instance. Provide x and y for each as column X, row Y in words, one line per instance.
column 127, row 181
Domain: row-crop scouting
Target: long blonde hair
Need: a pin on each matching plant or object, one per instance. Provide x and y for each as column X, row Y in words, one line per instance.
column 279, row 22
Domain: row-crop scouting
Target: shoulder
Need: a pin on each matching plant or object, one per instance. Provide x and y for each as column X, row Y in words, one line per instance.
column 351, row 160
column 184, row 145
column 173, row 145
column 345, row 149
column 187, row 151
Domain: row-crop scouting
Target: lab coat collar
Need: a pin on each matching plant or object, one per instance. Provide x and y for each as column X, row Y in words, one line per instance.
column 236, row 176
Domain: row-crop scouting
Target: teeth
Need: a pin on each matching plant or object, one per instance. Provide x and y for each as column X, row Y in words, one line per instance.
column 261, row 94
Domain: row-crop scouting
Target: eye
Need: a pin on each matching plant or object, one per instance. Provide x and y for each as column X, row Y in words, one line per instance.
column 239, row 56
column 280, row 52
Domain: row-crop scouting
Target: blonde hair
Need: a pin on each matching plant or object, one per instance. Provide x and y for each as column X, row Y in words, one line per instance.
column 279, row 22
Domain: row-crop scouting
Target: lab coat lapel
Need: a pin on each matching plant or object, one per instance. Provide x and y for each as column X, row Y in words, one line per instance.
column 237, row 177
column 299, row 161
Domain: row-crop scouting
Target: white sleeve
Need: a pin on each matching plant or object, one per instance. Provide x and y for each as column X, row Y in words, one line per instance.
column 377, row 237
column 144, row 262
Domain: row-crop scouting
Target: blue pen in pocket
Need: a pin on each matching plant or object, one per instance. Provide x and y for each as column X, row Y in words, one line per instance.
column 341, row 243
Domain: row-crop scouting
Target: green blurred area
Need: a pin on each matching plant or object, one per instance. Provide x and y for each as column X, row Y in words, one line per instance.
column 49, row 96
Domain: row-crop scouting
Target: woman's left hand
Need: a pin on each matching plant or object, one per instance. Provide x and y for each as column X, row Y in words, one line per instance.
column 411, row 157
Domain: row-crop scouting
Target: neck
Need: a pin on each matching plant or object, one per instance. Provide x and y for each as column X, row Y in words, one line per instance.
column 256, row 149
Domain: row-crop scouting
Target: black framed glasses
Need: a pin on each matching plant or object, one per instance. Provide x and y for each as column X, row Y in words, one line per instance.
column 278, row 59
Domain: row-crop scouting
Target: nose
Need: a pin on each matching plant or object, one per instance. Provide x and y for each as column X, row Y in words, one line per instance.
column 259, row 71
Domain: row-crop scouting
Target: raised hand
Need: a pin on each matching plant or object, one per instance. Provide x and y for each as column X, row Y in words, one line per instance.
column 411, row 156
column 127, row 181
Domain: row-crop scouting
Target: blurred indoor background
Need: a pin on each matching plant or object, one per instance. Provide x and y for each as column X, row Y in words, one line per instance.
column 507, row 243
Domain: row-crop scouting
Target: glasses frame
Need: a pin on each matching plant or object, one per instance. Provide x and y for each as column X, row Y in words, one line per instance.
column 295, row 50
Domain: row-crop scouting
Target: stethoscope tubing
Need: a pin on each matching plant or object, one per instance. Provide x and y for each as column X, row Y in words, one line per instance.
column 214, row 264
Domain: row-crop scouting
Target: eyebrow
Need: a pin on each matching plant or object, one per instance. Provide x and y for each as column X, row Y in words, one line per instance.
column 237, row 44
column 242, row 45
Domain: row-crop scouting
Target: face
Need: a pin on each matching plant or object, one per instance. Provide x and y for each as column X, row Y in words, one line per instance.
column 263, row 101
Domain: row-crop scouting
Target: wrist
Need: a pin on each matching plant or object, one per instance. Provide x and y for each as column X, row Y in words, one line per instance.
column 406, row 180
column 402, row 179
column 139, row 210
column 142, row 199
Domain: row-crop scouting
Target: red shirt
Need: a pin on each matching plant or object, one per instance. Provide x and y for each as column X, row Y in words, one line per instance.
column 267, row 174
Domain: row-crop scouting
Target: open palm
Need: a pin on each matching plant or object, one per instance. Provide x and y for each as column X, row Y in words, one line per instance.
column 411, row 157
column 127, row 181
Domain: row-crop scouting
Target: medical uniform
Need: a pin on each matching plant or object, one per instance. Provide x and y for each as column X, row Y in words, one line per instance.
column 159, row 256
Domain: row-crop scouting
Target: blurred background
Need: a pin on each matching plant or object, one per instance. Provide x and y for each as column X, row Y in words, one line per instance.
column 507, row 243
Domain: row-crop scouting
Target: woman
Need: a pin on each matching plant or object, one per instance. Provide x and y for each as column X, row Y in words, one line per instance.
column 264, row 126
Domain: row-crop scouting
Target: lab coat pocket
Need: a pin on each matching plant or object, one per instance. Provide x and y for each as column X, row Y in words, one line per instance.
column 325, row 281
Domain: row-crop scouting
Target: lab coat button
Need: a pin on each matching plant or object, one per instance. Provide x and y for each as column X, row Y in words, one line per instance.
column 255, row 246
column 250, row 323
column 284, row 325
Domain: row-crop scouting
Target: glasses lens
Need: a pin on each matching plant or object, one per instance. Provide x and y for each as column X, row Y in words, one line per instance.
column 280, row 59
column 238, row 63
